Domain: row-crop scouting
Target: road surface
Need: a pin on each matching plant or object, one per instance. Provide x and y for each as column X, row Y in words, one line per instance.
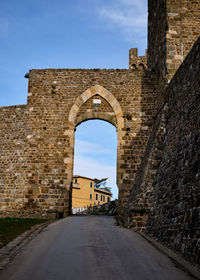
column 90, row 248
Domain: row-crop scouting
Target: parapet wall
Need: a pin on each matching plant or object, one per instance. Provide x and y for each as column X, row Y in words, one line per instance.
column 13, row 163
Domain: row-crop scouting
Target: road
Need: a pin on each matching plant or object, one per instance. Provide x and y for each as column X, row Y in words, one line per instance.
column 90, row 248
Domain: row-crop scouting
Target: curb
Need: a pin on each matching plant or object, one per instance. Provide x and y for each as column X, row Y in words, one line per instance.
column 179, row 261
column 8, row 252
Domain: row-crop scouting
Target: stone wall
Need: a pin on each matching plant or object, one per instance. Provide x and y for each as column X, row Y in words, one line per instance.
column 13, row 164
column 157, row 28
column 142, row 194
column 165, row 198
column 183, row 23
column 173, row 28
column 58, row 97
column 174, row 218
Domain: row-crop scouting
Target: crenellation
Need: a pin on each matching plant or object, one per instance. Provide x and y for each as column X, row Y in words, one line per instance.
column 137, row 62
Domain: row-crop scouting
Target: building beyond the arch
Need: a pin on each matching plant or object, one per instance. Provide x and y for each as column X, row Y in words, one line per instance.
column 155, row 108
column 85, row 194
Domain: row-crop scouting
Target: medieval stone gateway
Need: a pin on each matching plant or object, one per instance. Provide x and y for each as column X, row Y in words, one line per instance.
column 59, row 100
column 155, row 107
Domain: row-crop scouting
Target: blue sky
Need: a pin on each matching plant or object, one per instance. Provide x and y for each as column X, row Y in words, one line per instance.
column 38, row 34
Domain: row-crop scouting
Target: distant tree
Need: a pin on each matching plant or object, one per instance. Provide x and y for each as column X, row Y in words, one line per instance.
column 99, row 183
column 108, row 189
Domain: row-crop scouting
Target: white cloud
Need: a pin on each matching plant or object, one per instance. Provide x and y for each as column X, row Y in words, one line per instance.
column 88, row 167
column 140, row 4
column 124, row 20
column 84, row 147
column 127, row 16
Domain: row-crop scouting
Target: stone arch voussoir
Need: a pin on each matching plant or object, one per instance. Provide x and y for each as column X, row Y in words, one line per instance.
column 111, row 118
column 104, row 93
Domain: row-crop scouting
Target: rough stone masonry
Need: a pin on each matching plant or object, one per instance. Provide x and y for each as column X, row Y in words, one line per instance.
column 154, row 106
column 37, row 158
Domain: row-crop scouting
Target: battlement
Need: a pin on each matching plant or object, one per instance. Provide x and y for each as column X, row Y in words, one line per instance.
column 135, row 61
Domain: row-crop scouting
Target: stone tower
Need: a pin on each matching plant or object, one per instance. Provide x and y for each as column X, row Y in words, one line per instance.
column 172, row 31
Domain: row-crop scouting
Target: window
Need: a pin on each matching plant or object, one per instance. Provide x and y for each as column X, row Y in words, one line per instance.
column 104, row 198
column 90, row 196
column 101, row 197
column 96, row 196
column 90, row 184
column 108, row 198
column 75, row 180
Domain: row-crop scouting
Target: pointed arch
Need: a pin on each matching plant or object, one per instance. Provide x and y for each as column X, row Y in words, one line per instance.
column 104, row 93
column 74, row 121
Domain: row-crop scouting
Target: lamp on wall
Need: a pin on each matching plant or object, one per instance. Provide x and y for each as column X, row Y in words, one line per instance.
column 96, row 103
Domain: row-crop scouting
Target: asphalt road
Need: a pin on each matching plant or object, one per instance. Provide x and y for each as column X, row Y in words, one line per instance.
column 92, row 248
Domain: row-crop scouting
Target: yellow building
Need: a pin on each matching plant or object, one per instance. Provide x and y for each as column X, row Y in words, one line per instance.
column 84, row 194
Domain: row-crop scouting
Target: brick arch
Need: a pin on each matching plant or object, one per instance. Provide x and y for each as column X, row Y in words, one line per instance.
column 104, row 93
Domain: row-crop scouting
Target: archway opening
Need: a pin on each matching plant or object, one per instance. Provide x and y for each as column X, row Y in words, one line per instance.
column 95, row 156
